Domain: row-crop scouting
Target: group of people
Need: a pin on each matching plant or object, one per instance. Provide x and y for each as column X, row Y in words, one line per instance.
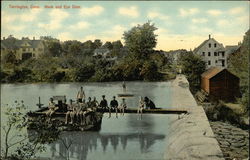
column 78, row 111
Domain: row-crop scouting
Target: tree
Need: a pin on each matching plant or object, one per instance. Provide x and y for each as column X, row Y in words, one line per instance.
column 75, row 48
column 141, row 39
column 10, row 57
column 108, row 45
column 149, row 71
column 192, row 66
column 117, row 46
column 14, row 136
column 84, row 73
column 54, row 48
column 97, row 43
column 239, row 65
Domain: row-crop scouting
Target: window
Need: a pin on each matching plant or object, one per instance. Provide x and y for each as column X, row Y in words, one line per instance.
column 34, row 49
column 223, row 63
column 23, row 49
column 215, row 45
column 209, row 54
column 222, row 54
column 215, row 53
column 203, row 53
column 209, row 45
column 216, row 61
column 208, row 62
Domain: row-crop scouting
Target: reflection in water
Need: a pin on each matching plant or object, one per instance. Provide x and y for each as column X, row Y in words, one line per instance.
column 78, row 144
column 121, row 138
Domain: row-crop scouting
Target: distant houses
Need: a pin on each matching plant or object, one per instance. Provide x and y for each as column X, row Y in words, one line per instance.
column 24, row 48
column 174, row 55
column 214, row 53
column 101, row 52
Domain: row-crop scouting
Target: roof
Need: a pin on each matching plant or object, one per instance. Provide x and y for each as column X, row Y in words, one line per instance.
column 211, row 72
column 12, row 43
column 203, row 43
column 232, row 49
column 101, row 51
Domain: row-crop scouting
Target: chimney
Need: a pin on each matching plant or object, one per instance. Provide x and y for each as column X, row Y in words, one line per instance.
column 34, row 38
column 209, row 36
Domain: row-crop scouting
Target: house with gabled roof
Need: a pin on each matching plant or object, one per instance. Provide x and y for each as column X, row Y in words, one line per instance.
column 24, row 48
column 212, row 52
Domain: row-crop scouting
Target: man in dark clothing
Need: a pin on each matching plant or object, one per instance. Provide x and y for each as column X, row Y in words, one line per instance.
column 113, row 106
column 104, row 103
column 149, row 104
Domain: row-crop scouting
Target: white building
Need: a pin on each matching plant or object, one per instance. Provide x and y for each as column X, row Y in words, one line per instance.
column 213, row 53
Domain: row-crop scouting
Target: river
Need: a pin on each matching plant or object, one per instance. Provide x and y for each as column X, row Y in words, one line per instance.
column 125, row 137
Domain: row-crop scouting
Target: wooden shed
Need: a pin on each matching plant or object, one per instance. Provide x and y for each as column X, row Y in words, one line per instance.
column 219, row 83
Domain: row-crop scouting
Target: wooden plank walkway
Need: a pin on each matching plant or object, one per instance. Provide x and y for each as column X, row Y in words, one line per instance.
column 149, row 111
column 128, row 110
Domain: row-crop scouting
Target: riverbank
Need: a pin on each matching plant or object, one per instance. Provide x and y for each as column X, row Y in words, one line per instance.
column 233, row 141
column 190, row 135
column 230, row 124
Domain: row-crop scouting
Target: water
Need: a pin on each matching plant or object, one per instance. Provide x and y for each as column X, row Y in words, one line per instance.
column 125, row 137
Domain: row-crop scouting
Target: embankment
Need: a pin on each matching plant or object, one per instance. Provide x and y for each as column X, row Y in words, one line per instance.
column 190, row 135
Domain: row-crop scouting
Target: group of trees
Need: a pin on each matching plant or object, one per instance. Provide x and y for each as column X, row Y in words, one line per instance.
column 192, row 66
column 74, row 61
column 239, row 65
column 76, row 48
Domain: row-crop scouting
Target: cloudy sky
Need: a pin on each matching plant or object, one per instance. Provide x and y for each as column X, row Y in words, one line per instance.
column 180, row 24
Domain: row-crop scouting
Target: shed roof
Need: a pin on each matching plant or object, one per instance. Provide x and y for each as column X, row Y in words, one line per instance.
column 211, row 72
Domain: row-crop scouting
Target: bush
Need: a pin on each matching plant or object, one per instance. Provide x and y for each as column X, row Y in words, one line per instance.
column 20, row 75
column 57, row 77
column 149, row 71
column 84, row 73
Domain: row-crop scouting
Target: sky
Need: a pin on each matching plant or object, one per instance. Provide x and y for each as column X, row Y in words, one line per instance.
column 181, row 24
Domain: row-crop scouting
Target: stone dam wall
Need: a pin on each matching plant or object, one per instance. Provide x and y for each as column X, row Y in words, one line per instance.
column 190, row 135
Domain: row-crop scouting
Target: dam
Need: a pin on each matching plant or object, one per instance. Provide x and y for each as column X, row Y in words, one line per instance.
column 155, row 136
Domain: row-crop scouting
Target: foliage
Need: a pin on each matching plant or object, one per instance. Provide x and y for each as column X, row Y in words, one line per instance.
column 13, row 134
column 141, row 40
column 54, row 48
column 108, row 45
column 20, row 75
column 239, row 65
column 84, row 73
column 149, row 71
column 97, row 43
column 192, row 66
column 72, row 47
column 10, row 58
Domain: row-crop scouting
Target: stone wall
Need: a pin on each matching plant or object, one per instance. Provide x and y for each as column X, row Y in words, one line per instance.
column 190, row 135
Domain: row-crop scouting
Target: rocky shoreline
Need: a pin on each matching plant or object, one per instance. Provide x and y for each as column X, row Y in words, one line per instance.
column 233, row 141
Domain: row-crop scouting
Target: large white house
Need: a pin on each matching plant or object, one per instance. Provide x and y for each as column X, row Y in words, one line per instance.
column 213, row 53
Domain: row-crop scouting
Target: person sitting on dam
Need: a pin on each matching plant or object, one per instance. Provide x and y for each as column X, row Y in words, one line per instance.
column 82, row 109
column 52, row 108
column 104, row 103
column 113, row 106
column 95, row 104
column 122, row 106
column 68, row 114
column 141, row 106
column 90, row 104
column 149, row 104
